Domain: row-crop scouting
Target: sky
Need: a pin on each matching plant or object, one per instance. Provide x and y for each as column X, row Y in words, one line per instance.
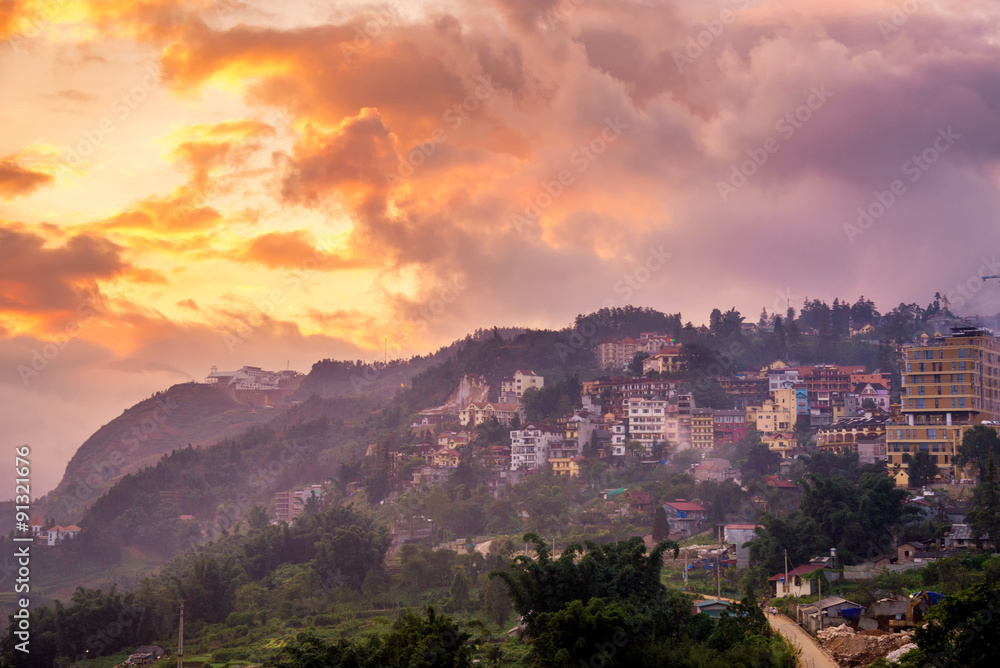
column 189, row 184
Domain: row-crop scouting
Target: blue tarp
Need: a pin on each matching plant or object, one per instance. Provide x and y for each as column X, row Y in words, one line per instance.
column 851, row 613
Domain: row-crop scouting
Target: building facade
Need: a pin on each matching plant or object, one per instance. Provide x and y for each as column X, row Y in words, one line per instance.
column 949, row 385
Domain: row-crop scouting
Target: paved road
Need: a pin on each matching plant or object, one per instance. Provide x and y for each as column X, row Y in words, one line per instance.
column 812, row 655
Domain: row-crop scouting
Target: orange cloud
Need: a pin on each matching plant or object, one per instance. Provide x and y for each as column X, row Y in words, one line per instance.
column 44, row 286
column 16, row 181
column 290, row 250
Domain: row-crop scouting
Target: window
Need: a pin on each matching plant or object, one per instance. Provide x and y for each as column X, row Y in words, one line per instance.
column 921, row 403
column 961, row 402
column 961, row 366
column 954, row 389
column 920, row 390
column 932, row 433
column 961, row 353
column 960, row 378
column 909, row 368
column 928, row 354
column 922, row 367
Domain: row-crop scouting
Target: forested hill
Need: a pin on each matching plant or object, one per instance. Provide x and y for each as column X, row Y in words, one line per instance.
column 190, row 413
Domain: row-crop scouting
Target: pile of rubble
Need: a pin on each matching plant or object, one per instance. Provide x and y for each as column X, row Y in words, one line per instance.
column 851, row 649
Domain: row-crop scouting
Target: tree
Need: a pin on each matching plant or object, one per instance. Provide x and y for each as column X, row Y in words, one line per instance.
column 978, row 444
column 351, row 552
column 961, row 630
column 618, row 571
column 635, row 364
column 497, row 605
column 984, row 515
column 257, row 519
column 921, row 468
column 760, row 461
column 459, row 590
column 660, row 526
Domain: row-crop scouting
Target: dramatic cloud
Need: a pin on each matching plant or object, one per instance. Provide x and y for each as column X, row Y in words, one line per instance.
column 16, row 181
column 413, row 173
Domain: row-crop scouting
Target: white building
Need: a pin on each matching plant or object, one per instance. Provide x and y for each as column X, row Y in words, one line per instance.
column 249, row 378
column 619, row 436
column 512, row 389
column 529, row 447
column 781, row 378
column 57, row 534
column 647, row 421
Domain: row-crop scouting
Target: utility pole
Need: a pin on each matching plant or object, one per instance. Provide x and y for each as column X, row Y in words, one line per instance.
column 786, row 571
column 718, row 577
column 180, row 640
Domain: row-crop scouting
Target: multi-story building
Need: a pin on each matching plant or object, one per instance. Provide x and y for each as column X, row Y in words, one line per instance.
column 613, row 354
column 477, row 412
column 747, row 390
column 702, row 429
column 854, row 402
column 827, row 384
column 784, row 443
column 654, row 342
column 566, row 466
column 843, row 435
column 950, row 384
column 730, row 426
column 667, row 360
column 289, row 505
column 529, row 447
column 619, row 438
column 778, row 414
column 647, row 421
column 615, row 392
column 512, row 389
column 778, row 378
column 876, row 377
column 871, row 449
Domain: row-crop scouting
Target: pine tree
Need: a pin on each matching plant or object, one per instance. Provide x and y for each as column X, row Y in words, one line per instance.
column 984, row 516
column 459, row 590
column 660, row 526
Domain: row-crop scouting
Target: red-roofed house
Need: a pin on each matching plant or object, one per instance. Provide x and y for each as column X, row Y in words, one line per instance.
column 797, row 584
column 36, row 525
column 57, row 534
column 779, row 494
column 685, row 518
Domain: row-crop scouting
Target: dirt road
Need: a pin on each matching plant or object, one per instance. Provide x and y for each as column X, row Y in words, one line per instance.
column 812, row 655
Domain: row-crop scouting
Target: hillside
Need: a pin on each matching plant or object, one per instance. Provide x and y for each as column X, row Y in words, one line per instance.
column 190, row 413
